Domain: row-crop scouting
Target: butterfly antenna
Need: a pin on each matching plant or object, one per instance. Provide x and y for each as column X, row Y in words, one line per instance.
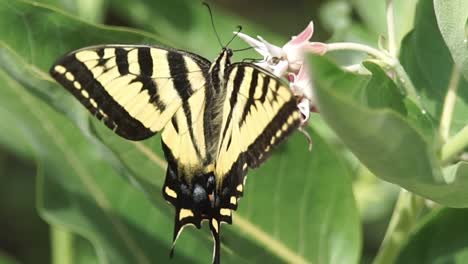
column 239, row 29
column 213, row 24
column 244, row 49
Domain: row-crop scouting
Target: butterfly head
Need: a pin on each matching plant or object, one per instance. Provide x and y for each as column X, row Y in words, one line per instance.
column 219, row 66
column 225, row 56
column 228, row 52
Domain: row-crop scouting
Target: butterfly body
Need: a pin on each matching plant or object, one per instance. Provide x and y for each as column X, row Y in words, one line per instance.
column 217, row 119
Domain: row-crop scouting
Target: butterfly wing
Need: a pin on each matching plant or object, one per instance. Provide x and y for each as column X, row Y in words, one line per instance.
column 259, row 112
column 139, row 90
column 134, row 89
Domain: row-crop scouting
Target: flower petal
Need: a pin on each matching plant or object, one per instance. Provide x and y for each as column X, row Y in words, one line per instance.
column 303, row 73
column 304, row 108
column 295, row 55
column 304, row 36
column 256, row 44
column 302, row 84
column 273, row 50
column 280, row 68
column 291, row 77
column 264, row 64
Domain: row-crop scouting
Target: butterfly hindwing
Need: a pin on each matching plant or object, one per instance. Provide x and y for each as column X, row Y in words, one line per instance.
column 134, row 89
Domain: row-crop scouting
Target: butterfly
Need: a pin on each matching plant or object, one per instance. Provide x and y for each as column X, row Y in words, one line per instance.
column 218, row 119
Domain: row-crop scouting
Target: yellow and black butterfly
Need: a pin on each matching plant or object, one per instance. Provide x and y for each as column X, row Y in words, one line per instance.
column 218, row 119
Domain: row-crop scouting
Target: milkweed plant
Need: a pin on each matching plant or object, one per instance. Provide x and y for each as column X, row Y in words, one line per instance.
column 406, row 66
column 394, row 106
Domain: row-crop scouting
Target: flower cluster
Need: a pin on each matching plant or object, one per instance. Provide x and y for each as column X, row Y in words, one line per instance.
column 288, row 62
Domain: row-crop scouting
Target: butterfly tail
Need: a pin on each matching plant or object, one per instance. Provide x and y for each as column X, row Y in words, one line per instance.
column 214, row 227
column 178, row 227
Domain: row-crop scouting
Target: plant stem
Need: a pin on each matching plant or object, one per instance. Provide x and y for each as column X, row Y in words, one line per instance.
column 391, row 29
column 358, row 47
column 62, row 245
column 454, row 145
column 405, row 215
column 449, row 104
column 408, row 206
column 385, row 58
column 408, row 85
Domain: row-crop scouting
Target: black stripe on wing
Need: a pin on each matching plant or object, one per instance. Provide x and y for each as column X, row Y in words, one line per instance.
column 121, row 59
column 233, row 99
column 95, row 98
column 275, row 133
column 134, row 117
column 281, row 125
column 250, row 98
column 145, row 61
column 262, row 112
column 257, row 153
column 184, row 89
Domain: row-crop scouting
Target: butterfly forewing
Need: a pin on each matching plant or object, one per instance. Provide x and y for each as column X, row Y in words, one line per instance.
column 135, row 90
column 258, row 113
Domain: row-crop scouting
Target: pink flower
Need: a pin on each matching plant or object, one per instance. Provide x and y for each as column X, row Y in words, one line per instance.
column 301, row 86
column 288, row 61
column 301, row 83
column 288, row 58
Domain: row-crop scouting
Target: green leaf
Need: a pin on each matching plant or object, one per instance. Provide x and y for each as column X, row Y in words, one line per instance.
column 383, row 134
column 322, row 209
column 84, row 251
column 79, row 191
column 45, row 29
column 89, row 10
column 427, row 60
column 440, row 238
column 297, row 208
column 452, row 19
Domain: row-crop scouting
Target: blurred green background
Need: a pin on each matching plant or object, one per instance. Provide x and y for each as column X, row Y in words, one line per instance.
column 24, row 237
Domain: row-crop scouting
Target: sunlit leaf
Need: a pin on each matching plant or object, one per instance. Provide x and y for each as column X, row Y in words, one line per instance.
column 387, row 134
column 452, row 19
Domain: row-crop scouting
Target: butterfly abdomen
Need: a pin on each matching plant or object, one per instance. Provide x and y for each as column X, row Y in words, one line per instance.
column 215, row 95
